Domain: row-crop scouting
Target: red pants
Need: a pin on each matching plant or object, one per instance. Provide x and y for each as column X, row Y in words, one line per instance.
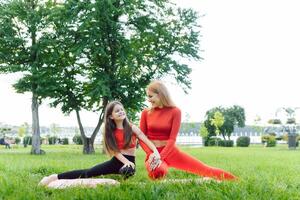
column 182, row 161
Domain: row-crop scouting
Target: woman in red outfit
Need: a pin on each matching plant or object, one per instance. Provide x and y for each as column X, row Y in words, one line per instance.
column 161, row 124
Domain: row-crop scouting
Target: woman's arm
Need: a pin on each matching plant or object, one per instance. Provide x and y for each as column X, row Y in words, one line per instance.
column 124, row 160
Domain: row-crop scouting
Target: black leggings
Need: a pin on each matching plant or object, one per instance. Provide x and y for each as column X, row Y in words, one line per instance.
column 112, row 166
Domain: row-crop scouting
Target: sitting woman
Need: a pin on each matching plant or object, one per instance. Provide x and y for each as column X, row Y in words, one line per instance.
column 120, row 142
column 161, row 123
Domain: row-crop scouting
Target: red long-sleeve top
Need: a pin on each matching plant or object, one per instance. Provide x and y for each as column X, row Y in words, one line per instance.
column 161, row 124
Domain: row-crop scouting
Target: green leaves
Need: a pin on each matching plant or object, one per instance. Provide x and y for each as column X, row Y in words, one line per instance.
column 217, row 121
column 223, row 120
column 81, row 54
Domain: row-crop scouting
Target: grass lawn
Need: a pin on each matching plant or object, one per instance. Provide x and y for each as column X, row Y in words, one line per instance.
column 265, row 173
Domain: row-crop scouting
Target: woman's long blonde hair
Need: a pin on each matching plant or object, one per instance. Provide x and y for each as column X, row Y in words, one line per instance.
column 161, row 90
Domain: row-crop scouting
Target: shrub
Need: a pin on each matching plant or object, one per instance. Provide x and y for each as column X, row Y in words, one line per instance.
column 271, row 143
column 204, row 141
column 77, row 139
column 274, row 121
column 243, row 141
column 65, row 141
column 213, row 141
column 265, row 138
column 291, row 121
column 52, row 140
column 269, row 140
column 27, row 140
column 226, row 143
column 17, row 140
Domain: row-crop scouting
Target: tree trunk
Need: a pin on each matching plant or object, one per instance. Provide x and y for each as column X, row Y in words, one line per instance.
column 88, row 146
column 36, row 145
column 88, row 143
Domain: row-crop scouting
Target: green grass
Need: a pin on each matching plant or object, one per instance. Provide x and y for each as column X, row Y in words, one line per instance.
column 265, row 173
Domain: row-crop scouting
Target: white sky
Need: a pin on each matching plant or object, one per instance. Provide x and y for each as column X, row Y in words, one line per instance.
column 251, row 54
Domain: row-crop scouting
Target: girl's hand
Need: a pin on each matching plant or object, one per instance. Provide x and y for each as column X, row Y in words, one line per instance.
column 129, row 164
column 154, row 161
column 156, row 155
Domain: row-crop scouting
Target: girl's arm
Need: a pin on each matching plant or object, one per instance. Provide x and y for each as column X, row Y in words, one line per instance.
column 143, row 128
column 145, row 140
column 124, row 160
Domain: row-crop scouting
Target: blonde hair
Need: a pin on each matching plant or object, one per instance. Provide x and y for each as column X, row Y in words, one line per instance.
column 161, row 90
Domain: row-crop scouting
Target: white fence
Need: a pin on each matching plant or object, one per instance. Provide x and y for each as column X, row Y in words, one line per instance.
column 196, row 140
column 193, row 139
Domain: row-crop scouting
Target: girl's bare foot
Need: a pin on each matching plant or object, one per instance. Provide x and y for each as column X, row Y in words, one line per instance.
column 48, row 179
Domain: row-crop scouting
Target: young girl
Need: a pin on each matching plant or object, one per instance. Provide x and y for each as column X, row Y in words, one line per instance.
column 161, row 124
column 120, row 142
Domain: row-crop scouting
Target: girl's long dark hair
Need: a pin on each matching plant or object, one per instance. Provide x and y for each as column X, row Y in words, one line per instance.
column 109, row 128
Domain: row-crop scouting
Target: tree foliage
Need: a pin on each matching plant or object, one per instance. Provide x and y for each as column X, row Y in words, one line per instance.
column 104, row 50
column 24, row 28
column 217, row 121
column 82, row 54
column 233, row 116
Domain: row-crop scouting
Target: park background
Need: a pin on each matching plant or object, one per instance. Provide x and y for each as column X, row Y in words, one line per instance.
column 250, row 49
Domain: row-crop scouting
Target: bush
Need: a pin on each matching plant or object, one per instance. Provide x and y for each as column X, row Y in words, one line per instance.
column 205, row 141
column 27, row 140
column 271, row 143
column 269, row 140
column 17, row 140
column 265, row 138
column 213, row 141
column 226, row 143
column 274, row 121
column 77, row 139
column 65, row 141
column 52, row 140
column 243, row 141
column 291, row 121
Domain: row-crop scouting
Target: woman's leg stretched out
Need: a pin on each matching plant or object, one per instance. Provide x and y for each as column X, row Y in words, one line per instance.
column 185, row 162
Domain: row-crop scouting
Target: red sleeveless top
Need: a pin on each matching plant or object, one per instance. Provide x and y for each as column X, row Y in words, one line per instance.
column 119, row 136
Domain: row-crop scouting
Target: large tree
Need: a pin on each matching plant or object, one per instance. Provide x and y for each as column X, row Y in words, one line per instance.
column 23, row 37
column 106, row 50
